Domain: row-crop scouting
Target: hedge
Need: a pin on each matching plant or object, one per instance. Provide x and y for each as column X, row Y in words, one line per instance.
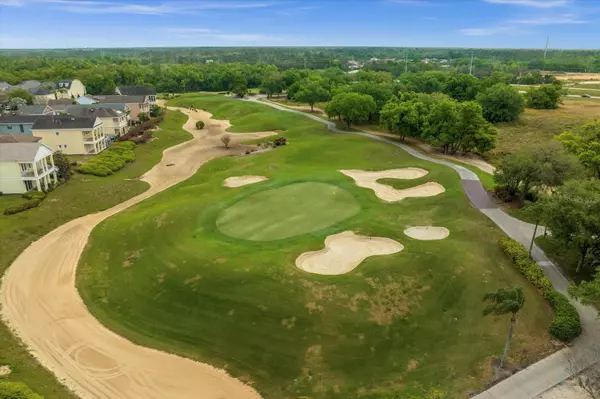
column 566, row 324
column 141, row 128
column 34, row 194
column 109, row 160
column 17, row 390
column 23, row 206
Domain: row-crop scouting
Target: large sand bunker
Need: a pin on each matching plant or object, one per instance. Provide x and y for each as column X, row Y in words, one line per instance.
column 427, row 233
column 387, row 193
column 239, row 181
column 343, row 252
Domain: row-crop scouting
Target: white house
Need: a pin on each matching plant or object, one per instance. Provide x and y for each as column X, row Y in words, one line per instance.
column 25, row 164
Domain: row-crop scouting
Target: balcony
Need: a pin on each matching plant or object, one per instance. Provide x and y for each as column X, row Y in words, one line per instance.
column 29, row 173
column 89, row 138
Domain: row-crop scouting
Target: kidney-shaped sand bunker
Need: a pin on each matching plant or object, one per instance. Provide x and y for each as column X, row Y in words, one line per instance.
column 287, row 211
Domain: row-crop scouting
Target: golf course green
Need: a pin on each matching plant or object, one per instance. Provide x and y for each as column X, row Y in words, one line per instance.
column 208, row 272
column 287, row 211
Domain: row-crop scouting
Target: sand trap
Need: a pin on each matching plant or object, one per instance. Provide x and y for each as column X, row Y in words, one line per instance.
column 343, row 252
column 239, row 181
column 387, row 193
column 427, row 233
column 4, row 370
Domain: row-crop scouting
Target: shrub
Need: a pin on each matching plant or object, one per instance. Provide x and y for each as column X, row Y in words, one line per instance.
column 566, row 324
column 279, row 141
column 140, row 128
column 62, row 163
column 226, row 139
column 34, row 194
column 200, row 125
column 23, row 206
column 17, row 390
column 110, row 160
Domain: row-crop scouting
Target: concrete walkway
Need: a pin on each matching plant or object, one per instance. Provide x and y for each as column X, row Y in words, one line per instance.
column 548, row 372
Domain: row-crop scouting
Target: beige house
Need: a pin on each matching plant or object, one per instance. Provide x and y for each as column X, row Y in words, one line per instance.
column 137, row 91
column 114, row 122
column 25, row 164
column 70, row 88
column 71, row 135
column 137, row 104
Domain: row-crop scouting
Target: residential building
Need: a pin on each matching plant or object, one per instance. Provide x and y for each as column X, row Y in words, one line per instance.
column 73, row 88
column 25, row 164
column 115, row 123
column 43, row 95
column 17, row 124
column 137, row 91
column 118, row 107
column 71, row 135
column 137, row 104
column 30, row 85
column 35, row 109
column 59, row 106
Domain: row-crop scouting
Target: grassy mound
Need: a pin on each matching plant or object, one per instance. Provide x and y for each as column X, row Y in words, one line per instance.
column 163, row 275
column 287, row 211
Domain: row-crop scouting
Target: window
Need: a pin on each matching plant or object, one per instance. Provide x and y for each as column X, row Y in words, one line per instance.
column 65, row 145
column 59, row 146
column 57, row 133
column 9, row 127
column 21, row 129
column 116, row 131
column 23, row 167
column 28, row 185
column 115, row 120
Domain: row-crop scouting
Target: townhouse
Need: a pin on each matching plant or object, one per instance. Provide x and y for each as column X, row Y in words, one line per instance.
column 71, row 135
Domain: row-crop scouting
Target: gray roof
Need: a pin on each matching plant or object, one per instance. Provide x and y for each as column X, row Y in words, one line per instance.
column 51, row 122
column 119, row 107
column 41, row 92
column 120, row 99
column 136, row 91
column 18, row 138
column 4, row 85
column 35, row 109
column 19, row 119
column 10, row 152
column 92, row 112
column 29, row 84
column 62, row 101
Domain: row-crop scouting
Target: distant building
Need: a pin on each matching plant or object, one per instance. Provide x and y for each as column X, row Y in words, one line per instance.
column 17, row 124
column 60, row 105
column 137, row 91
column 35, row 109
column 25, row 164
column 114, row 123
column 71, row 135
column 137, row 104
column 73, row 87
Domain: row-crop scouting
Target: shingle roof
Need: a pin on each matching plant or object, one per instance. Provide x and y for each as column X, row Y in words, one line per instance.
column 78, row 110
column 119, row 107
column 115, row 99
column 136, row 91
column 41, row 92
column 51, row 122
column 19, row 119
column 29, row 84
column 18, row 138
column 10, row 152
column 35, row 109
column 62, row 101
column 4, row 85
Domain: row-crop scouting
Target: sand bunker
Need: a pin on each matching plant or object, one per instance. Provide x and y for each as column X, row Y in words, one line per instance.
column 387, row 193
column 343, row 252
column 4, row 370
column 239, row 181
column 427, row 233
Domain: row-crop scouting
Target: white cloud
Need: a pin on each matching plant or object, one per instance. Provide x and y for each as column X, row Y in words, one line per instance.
column 532, row 3
column 556, row 20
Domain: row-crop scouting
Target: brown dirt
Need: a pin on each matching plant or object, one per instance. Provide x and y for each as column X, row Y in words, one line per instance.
column 42, row 306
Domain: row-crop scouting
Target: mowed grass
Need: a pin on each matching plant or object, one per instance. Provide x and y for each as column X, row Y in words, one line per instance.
column 287, row 211
column 538, row 126
column 81, row 195
column 163, row 275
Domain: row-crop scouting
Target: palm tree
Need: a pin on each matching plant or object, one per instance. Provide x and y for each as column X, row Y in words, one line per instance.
column 505, row 301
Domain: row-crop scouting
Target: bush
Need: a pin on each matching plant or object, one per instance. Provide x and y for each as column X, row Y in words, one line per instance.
column 279, row 141
column 34, row 194
column 110, row 160
column 141, row 128
column 16, row 390
column 23, row 206
column 200, row 125
column 566, row 324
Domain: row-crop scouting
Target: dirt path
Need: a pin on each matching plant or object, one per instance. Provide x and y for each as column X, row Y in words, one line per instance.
column 42, row 306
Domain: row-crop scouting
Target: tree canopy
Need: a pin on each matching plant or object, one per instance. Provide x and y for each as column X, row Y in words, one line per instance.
column 21, row 93
column 584, row 142
column 311, row 91
column 501, row 103
column 544, row 97
column 351, row 107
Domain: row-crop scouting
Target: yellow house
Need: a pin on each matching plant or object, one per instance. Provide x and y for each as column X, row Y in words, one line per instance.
column 71, row 135
column 114, row 122
column 25, row 164
column 71, row 88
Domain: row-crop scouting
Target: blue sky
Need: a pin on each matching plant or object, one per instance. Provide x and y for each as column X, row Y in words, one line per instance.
column 413, row 23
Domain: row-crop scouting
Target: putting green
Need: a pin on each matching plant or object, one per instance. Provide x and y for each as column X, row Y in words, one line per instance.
column 287, row 211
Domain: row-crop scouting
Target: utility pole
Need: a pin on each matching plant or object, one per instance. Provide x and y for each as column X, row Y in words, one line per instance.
column 546, row 49
column 471, row 65
column 405, row 62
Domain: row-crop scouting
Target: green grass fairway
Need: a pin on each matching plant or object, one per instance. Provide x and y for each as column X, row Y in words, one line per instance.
column 164, row 275
column 288, row 211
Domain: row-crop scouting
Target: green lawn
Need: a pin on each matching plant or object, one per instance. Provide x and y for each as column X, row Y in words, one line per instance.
column 163, row 275
column 81, row 195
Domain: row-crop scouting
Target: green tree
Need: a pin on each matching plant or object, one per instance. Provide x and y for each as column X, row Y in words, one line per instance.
column 462, row 88
column 351, row 107
column 311, row 92
column 588, row 292
column 381, row 92
column 272, row 84
column 584, row 143
column 21, row 93
column 238, row 84
column 64, row 166
column 501, row 103
column 572, row 214
column 401, row 118
column 544, row 97
column 15, row 102
column 16, row 390
column 505, row 301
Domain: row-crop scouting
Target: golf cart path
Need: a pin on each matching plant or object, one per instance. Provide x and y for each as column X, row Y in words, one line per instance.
column 42, row 306
column 548, row 372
